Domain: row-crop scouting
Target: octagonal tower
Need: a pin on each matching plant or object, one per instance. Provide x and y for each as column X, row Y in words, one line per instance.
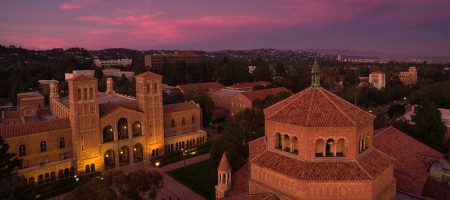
column 319, row 146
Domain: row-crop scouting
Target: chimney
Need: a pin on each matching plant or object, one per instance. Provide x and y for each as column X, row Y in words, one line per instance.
column 110, row 86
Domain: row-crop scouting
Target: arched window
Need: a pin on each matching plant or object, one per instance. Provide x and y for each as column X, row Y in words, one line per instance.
column 92, row 167
column 340, row 147
column 60, row 174
column 85, row 93
column 87, row 169
column 43, row 146
column 330, row 148
column 155, row 88
column 295, row 145
column 278, row 141
column 172, row 123
column 79, row 94
column 138, row 153
column 109, row 161
column 319, row 148
column 183, row 121
column 66, row 172
column 62, row 143
column 22, row 150
column 287, row 143
column 122, row 128
column 124, row 156
column 52, row 176
column 148, row 88
column 363, row 143
column 91, row 93
column 153, row 153
column 40, row 179
column 31, row 180
column 137, row 129
column 108, row 134
column 193, row 119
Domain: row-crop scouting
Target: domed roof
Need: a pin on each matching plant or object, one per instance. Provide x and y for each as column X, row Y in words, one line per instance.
column 224, row 165
column 317, row 107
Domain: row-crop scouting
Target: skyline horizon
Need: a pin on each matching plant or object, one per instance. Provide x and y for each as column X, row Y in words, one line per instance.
column 403, row 28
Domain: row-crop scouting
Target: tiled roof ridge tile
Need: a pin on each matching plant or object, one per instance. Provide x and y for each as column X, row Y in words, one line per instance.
column 310, row 107
column 338, row 107
column 265, row 143
column 300, row 94
column 364, row 170
column 352, row 105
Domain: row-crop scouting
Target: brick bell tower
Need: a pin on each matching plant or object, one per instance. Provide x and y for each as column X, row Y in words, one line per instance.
column 84, row 119
column 149, row 99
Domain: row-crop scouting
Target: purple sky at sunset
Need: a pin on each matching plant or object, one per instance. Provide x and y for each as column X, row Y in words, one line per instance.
column 411, row 27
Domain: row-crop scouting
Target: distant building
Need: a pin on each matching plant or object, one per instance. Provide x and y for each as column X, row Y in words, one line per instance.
column 409, row 77
column 377, row 79
column 157, row 61
column 247, row 86
column 203, row 87
column 245, row 100
column 110, row 72
column 112, row 62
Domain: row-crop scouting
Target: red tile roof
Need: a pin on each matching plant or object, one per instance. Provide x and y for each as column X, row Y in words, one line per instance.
column 368, row 166
column 177, row 107
column 412, row 158
column 262, row 94
column 107, row 108
column 34, row 127
column 12, row 114
column 205, row 87
column 436, row 189
column 148, row 75
column 317, row 107
column 224, row 165
column 360, row 169
column 249, row 84
column 83, row 77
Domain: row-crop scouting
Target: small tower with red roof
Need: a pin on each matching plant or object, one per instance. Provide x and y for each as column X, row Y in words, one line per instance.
column 223, row 177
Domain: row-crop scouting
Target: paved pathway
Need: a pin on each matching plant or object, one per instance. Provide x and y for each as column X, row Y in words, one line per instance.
column 189, row 161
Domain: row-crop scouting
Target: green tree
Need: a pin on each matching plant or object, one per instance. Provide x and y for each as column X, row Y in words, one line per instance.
column 429, row 125
column 140, row 184
column 205, row 102
column 12, row 186
column 246, row 126
column 8, row 161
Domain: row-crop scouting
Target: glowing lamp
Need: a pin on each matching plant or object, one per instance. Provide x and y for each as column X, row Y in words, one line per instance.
column 157, row 164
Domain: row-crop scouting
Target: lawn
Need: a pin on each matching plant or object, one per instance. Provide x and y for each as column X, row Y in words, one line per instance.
column 200, row 177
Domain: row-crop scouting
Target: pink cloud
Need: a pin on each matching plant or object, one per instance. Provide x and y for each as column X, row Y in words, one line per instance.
column 69, row 6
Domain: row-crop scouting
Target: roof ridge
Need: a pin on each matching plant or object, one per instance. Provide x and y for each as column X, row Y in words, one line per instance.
column 286, row 105
column 339, row 108
column 363, row 169
column 383, row 131
column 265, row 144
column 357, row 107
column 310, row 106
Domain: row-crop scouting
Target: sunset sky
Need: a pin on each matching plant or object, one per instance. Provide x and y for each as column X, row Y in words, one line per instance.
column 412, row 27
